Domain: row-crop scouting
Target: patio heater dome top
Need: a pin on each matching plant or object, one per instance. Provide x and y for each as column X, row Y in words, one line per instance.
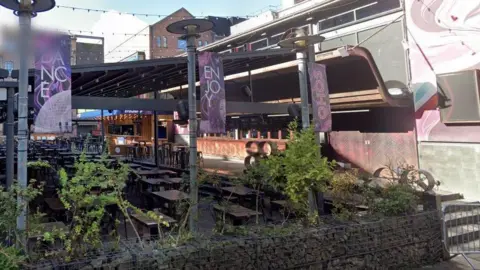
column 190, row 27
column 36, row 6
column 301, row 42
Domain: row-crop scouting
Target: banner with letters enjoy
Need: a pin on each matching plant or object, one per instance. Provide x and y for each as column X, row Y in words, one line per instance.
column 212, row 90
column 322, row 115
column 53, row 84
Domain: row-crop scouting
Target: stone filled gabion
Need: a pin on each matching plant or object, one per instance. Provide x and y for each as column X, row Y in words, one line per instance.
column 398, row 243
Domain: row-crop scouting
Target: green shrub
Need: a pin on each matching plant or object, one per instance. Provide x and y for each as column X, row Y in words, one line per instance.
column 394, row 200
column 343, row 190
column 299, row 169
column 10, row 258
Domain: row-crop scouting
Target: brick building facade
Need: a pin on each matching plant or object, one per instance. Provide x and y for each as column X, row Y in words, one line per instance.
column 164, row 44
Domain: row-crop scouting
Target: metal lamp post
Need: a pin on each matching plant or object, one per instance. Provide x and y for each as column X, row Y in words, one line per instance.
column 25, row 10
column 190, row 30
column 300, row 44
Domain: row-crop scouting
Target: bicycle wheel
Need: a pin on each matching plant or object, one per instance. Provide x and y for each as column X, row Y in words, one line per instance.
column 419, row 179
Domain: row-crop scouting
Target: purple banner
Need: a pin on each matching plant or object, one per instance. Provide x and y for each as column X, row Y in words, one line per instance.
column 52, row 96
column 212, row 88
column 322, row 114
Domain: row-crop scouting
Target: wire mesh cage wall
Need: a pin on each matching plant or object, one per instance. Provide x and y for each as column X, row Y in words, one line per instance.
column 400, row 242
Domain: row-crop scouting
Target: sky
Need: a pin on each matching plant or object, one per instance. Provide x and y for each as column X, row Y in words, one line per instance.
column 111, row 22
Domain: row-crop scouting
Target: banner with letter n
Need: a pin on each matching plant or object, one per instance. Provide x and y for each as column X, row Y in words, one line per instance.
column 322, row 115
column 212, row 90
column 53, row 84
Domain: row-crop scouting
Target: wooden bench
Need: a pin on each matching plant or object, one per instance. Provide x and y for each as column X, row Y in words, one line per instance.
column 147, row 226
column 237, row 213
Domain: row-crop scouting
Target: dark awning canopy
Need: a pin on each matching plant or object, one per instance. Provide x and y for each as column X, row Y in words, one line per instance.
column 128, row 79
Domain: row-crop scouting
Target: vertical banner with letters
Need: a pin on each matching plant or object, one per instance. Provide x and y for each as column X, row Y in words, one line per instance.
column 322, row 115
column 53, row 84
column 212, row 91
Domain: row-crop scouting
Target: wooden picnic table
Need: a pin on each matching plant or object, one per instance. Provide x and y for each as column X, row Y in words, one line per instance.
column 175, row 182
column 280, row 203
column 39, row 229
column 153, row 173
column 170, row 197
column 106, row 160
column 239, row 190
column 148, row 226
column 236, row 212
column 55, row 204
column 134, row 166
column 153, row 184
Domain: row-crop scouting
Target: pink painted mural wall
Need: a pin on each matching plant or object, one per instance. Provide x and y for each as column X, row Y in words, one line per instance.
column 444, row 36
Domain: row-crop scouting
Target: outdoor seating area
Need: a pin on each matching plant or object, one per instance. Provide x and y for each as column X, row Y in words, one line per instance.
column 328, row 134
column 154, row 203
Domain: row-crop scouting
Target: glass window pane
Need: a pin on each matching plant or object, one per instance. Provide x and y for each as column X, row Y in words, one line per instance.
column 377, row 8
column 259, row 44
column 274, row 40
column 336, row 21
column 165, row 42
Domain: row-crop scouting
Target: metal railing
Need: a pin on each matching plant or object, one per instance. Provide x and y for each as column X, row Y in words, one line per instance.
column 461, row 229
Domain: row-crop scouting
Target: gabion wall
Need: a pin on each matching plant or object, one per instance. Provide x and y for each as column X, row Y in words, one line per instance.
column 396, row 243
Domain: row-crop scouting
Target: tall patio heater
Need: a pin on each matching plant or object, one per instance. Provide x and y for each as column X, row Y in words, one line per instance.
column 25, row 10
column 190, row 30
column 300, row 43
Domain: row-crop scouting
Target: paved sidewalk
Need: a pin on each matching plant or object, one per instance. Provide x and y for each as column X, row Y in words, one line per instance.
column 456, row 263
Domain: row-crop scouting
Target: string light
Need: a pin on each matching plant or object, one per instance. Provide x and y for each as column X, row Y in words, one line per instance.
column 72, row 31
column 171, row 17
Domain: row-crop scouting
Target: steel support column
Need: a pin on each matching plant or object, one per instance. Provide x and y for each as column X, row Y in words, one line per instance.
column 102, row 127
column 25, row 24
column 155, row 131
column 303, row 83
column 192, row 104
column 10, row 136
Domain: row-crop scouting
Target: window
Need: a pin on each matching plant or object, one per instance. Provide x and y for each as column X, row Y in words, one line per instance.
column 205, row 43
column 259, row 44
column 182, row 44
column 377, row 8
column 241, row 48
column 199, row 43
column 8, row 65
column 159, row 42
column 165, row 42
column 273, row 40
column 336, row 21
